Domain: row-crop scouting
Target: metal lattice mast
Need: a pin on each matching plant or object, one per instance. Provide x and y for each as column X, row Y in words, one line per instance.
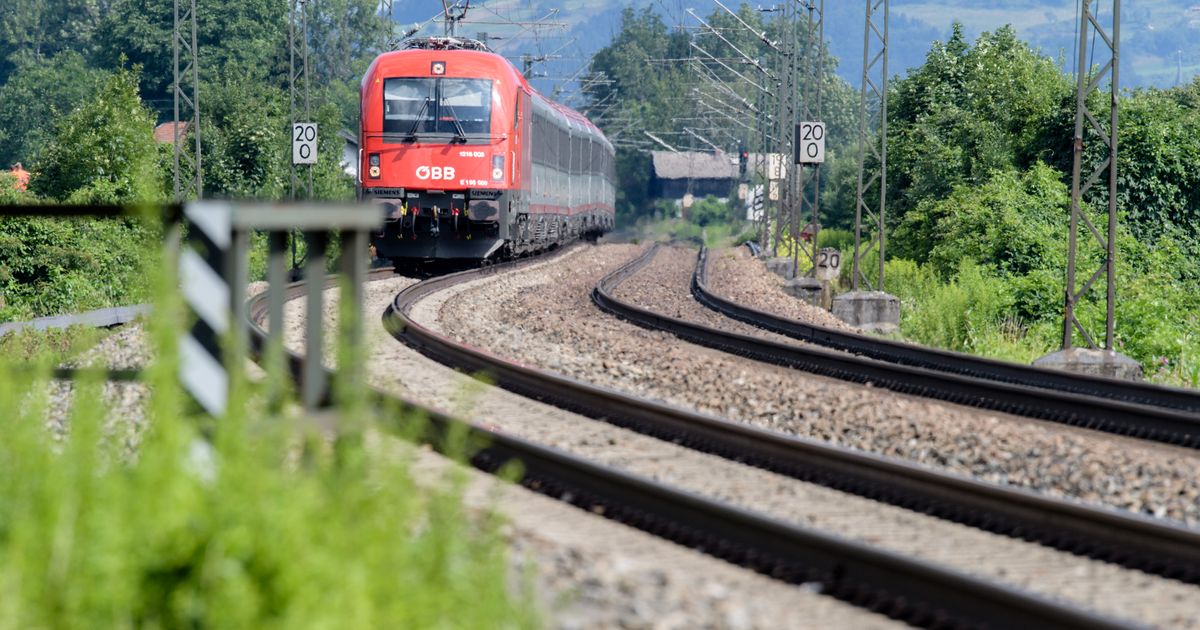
column 1085, row 120
column 786, row 122
column 385, row 12
column 761, row 167
column 872, row 142
column 814, row 58
column 187, row 171
column 301, row 187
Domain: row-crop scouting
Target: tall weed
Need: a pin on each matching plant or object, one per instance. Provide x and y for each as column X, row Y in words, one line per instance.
column 255, row 521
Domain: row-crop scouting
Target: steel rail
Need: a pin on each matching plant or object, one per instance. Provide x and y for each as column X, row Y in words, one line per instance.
column 101, row 318
column 904, row 588
column 944, row 360
column 1151, row 423
column 1115, row 536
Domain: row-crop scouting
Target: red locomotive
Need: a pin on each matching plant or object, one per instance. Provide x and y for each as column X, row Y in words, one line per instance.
column 473, row 163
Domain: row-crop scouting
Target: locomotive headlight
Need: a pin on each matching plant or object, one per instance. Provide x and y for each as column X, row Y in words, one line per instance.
column 497, row 167
column 374, row 172
column 374, row 159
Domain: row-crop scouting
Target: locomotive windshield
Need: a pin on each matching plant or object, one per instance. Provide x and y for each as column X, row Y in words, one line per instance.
column 460, row 108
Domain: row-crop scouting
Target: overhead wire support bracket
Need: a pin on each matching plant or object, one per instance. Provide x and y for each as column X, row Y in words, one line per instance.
column 727, row 67
column 660, row 141
column 762, row 35
column 752, row 61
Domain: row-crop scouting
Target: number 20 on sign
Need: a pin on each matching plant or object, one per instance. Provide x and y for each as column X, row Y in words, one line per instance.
column 304, row 143
column 810, row 143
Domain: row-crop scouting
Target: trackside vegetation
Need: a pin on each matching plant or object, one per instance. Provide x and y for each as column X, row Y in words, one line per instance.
column 257, row 521
column 980, row 147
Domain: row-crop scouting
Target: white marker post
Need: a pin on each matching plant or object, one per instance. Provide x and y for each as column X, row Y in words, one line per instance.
column 304, row 143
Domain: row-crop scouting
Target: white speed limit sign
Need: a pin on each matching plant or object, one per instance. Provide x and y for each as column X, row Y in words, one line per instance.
column 304, row 143
column 810, row 143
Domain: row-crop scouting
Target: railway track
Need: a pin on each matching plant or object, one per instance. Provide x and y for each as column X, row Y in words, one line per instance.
column 943, row 360
column 1155, row 423
column 1141, row 543
column 900, row 587
column 1130, row 541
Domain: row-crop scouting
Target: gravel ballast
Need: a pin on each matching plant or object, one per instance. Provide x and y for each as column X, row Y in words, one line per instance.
column 1087, row 583
column 589, row 572
column 737, row 276
column 546, row 319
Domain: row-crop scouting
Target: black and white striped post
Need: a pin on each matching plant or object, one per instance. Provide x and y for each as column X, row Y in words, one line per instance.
column 206, row 263
column 214, row 276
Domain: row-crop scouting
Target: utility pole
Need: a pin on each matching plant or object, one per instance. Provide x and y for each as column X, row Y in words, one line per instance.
column 385, row 13
column 785, row 122
column 1088, row 126
column 871, row 311
column 188, row 174
column 810, row 189
column 1085, row 119
column 872, row 143
column 298, row 90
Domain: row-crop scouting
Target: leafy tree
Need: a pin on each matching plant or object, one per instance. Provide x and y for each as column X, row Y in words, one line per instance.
column 44, row 28
column 104, row 151
column 1012, row 222
column 40, row 92
column 968, row 112
column 245, row 39
column 709, row 211
column 245, row 146
column 51, row 266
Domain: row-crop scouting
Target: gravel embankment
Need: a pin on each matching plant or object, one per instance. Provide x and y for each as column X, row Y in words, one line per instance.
column 735, row 275
column 673, row 598
column 125, row 349
column 546, row 318
column 589, row 572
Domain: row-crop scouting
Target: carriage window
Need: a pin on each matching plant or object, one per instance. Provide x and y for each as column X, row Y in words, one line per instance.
column 437, row 106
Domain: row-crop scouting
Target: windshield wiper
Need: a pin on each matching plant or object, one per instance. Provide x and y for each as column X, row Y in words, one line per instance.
column 412, row 132
column 460, row 133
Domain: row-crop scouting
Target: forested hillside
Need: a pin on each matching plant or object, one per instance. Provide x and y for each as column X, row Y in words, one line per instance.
column 1154, row 31
column 83, row 84
column 980, row 143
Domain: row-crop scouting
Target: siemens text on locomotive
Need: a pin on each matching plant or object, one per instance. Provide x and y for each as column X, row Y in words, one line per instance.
column 473, row 163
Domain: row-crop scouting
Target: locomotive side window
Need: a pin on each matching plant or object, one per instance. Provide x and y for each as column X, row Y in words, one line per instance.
column 455, row 107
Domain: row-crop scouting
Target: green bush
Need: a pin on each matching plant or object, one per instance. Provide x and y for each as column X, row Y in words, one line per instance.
column 252, row 522
column 104, row 150
column 709, row 211
column 51, row 266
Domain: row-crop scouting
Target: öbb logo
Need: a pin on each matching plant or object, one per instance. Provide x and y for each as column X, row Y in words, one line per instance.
column 435, row 172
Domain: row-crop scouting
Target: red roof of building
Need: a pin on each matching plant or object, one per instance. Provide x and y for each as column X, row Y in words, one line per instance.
column 165, row 133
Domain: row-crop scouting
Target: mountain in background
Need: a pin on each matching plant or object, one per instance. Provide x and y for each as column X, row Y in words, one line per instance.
column 1160, row 38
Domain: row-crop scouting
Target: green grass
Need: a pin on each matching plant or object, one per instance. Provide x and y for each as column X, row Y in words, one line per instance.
column 52, row 346
column 256, row 521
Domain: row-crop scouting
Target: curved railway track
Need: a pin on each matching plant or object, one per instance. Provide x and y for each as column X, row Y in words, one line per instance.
column 1171, row 426
column 946, row 361
column 1128, row 540
column 901, row 587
